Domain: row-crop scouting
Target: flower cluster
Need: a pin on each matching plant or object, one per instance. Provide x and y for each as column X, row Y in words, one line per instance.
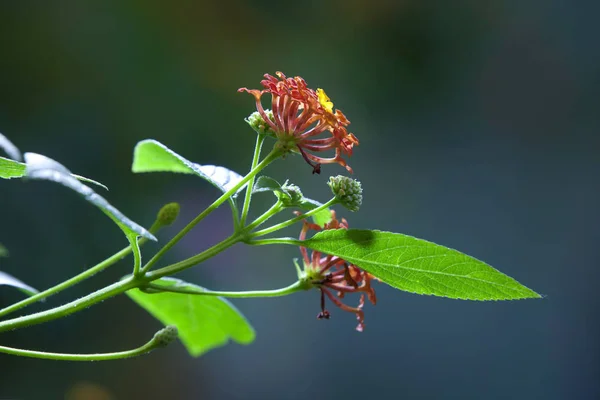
column 347, row 190
column 298, row 115
column 335, row 277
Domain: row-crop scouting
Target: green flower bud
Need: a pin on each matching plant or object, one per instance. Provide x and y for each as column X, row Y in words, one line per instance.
column 168, row 214
column 292, row 195
column 256, row 122
column 347, row 190
column 166, row 335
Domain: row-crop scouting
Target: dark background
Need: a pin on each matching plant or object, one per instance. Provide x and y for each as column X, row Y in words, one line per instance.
column 478, row 123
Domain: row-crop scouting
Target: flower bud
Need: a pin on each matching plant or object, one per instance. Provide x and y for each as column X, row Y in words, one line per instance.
column 347, row 190
column 292, row 195
column 166, row 335
column 256, row 122
column 168, row 214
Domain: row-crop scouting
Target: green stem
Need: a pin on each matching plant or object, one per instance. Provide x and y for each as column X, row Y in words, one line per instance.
column 116, row 288
column 133, row 281
column 198, row 258
column 265, row 216
column 235, row 215
column 259, row 142
column 72, row 307
column 292, row 221
column 274, row 154
column 68, row 283
column 137, row 281
column 137, row 254
column 78, row 278
column 293, row 288
column 263, row 242
column 146, row 348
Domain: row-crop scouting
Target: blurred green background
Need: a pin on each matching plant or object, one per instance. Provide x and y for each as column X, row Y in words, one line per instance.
column 478, row 126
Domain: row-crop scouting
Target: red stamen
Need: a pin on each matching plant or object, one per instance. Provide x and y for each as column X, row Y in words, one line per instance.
column 316, row 166
column 324, row 314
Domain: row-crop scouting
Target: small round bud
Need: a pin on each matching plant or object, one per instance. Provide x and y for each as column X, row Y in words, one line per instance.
column 168, row 214
column 347, row 190
column 257, row 122
column 292, row 195
column 166, row 335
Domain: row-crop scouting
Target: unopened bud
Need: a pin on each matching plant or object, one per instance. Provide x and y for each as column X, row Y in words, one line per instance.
column 292, row 195
column 168, row 214
column 347, row 190
column 257, row 122
column 166, row 335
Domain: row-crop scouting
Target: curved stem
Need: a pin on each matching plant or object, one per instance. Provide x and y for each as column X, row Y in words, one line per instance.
column 274, row 154
column 144, row 276
column 69, row 282
column 146, row 348
column 292, row 221
column 235, row 214
column 259, row 142
column 278, row 206
column 70, row 308
column 116, row 288
column 198, row 258
column 293, row 288
column 78, row 278
column 137, row 254
column 133, row 281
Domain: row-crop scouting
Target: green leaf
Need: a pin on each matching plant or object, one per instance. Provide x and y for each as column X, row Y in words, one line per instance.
column 44, row 168
column 11, row 169
column 418, row 266
column 204, row 322
column 9, row 280
column 152, row 156
column 267, row 184
column 9, row 148
column 14, row 169
column 3, row 251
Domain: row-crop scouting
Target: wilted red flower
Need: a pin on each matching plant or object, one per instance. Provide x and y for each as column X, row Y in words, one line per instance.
column 333, row 274
column 300, row 114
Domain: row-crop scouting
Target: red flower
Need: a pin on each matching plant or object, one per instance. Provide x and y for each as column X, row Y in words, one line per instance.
column 335, row 277
column 300, row 114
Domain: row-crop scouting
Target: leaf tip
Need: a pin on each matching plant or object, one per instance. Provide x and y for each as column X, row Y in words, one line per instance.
column 149, row 236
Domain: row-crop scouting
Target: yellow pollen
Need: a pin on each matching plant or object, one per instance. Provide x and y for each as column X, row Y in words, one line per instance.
column 325, row 101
